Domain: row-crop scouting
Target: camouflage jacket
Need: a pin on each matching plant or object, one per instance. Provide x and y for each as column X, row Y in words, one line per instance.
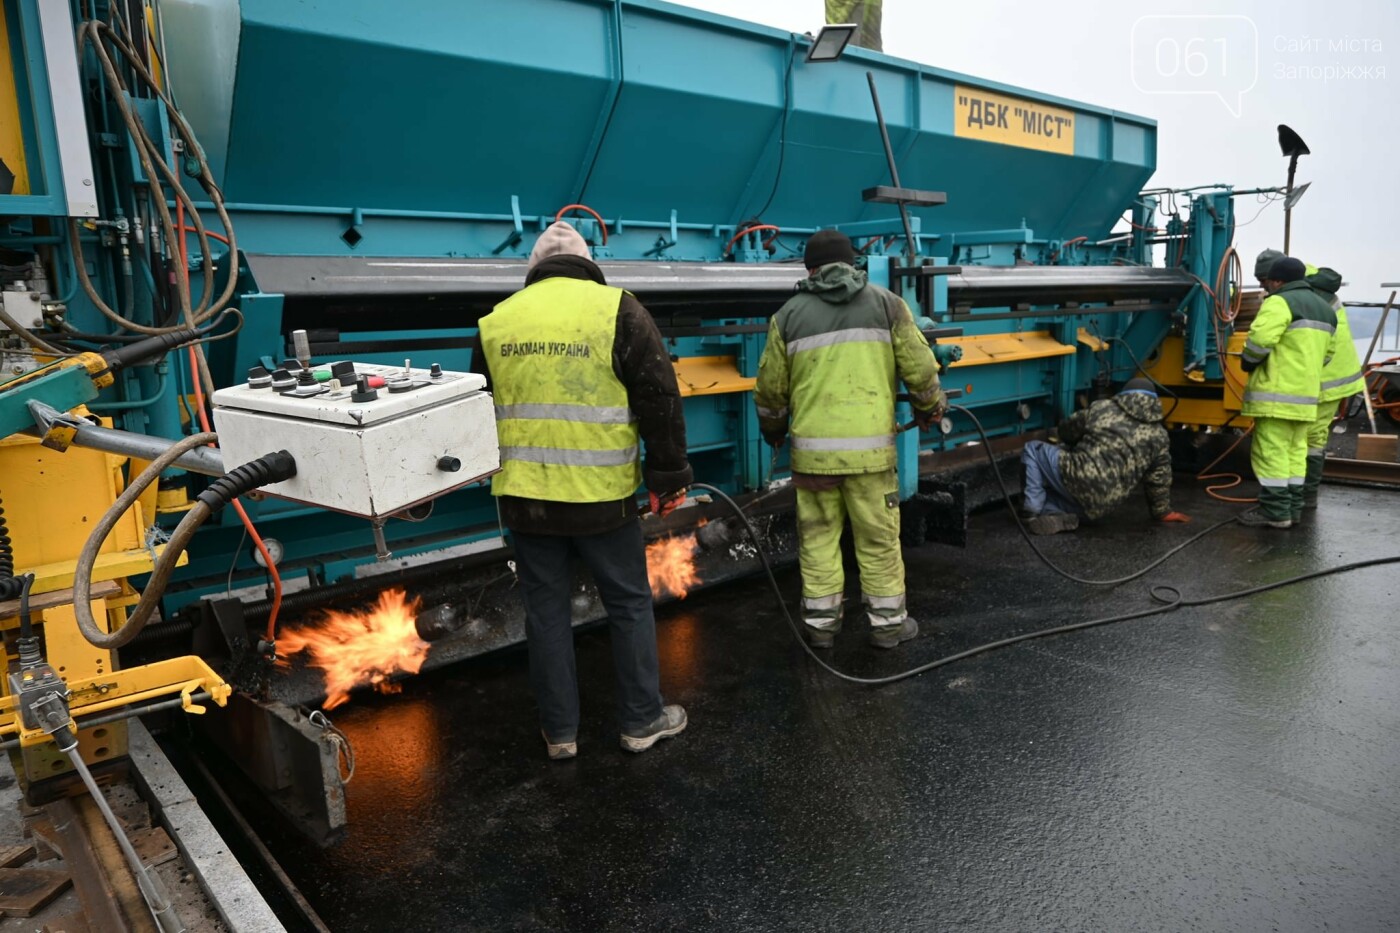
column 1111, row 446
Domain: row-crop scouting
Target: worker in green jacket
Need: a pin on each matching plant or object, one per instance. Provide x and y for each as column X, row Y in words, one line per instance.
column 1293, row 337
column 1341, row 378
column 829, row 375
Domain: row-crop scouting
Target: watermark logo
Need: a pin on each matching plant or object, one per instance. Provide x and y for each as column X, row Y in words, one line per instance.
column 1215, row 55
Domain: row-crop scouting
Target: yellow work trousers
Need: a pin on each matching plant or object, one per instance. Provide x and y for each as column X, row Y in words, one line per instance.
column 871, row 502
column 1280, row 460
column 1318, row 433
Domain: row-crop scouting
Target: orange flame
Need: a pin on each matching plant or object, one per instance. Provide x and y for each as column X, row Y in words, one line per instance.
column 366, row 648
column 671, row 566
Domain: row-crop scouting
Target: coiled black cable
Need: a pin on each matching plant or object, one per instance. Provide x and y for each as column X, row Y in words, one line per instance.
column 10, row 585
column 1167, row 596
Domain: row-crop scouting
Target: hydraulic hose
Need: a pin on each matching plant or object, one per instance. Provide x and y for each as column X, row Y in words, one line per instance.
column 1167, row 597
column 269, row 469
column 10, row 585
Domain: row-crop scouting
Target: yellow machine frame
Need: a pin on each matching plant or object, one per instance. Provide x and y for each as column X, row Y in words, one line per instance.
column 52, row 501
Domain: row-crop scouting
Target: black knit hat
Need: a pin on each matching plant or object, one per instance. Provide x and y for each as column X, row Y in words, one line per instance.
column 1139, row 385
column 827, row 246
column 1288, row 269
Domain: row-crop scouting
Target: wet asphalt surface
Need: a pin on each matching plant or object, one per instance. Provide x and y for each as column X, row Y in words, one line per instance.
column 1232, row 767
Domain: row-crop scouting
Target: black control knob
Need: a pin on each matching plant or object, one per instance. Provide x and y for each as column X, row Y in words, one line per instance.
column 343, row 372
column 283, row 380
column 306, row 377
column 290, row 366
column 435, row 371
column 259, row 378
column 363, row 392
column 449, row 464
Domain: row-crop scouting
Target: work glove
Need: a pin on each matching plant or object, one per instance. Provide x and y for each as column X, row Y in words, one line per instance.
column 1176, row 517
column 776, row 439
column 665, row 504
column 928, row 420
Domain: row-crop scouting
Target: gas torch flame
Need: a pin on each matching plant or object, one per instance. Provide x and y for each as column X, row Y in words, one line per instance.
column 357, row 649
column 671, row 566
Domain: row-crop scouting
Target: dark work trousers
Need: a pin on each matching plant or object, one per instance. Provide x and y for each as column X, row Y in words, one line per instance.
column 617, row 560
column 1043, row 487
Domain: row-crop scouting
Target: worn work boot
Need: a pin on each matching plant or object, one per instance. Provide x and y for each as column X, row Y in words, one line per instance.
column 822, row 637
column 672, row 721
column 1052, row 523
column 559, row 751
column 1255, row 518
column 889, row 636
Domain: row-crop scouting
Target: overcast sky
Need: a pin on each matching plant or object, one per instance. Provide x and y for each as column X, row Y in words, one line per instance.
column 1328, row 69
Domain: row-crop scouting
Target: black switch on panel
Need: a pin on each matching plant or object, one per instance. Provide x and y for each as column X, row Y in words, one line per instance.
column 259, row 378
column 343, row 372
column 283, row 380
column 435, row 371
column 306, row 378
column 363, row 393
column 449, row 464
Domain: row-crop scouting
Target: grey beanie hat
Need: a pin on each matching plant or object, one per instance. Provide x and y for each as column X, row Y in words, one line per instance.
column 559, row 239
column 1265, row 263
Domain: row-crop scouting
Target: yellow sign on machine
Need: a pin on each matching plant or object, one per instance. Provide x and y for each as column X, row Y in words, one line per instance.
column 1011, row 121
column 11, row 136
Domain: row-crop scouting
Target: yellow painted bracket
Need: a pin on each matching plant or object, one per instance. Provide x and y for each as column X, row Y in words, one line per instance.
column 88, row 697
column 111, row 566
column 981, row 349
column 1097, row 344
column 710, row 375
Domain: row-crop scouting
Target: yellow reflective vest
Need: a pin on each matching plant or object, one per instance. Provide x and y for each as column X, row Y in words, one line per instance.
column 1341, row 376
column 1292, row 337
column 830, row 372
column 562, row 417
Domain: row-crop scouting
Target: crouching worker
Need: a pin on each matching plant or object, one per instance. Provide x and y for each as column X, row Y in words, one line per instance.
column 1105, row 451
column 829, row 374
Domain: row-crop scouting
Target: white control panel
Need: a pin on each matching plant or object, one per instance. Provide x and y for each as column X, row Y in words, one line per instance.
column 368, row 440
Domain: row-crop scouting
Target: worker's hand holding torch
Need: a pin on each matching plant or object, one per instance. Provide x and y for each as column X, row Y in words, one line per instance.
column 664, row 504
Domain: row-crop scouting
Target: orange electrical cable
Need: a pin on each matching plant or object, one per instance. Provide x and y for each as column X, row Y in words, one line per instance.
column 753, row 229
column 187, row 230
column 584, row 207
column 1235, row 479
column 203, row 417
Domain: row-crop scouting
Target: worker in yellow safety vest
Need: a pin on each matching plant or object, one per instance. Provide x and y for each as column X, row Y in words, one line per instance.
column 580, row 376
column 829, row 375
column 1342, row 378
column 1293, row 337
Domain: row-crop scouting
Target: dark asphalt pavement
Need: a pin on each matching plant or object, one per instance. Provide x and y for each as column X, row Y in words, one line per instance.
column 1226, row 768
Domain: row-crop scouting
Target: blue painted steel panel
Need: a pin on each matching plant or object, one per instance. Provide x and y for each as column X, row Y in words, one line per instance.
column 335, row 110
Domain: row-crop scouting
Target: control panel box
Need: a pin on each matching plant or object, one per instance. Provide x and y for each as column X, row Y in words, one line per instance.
column 368, row 440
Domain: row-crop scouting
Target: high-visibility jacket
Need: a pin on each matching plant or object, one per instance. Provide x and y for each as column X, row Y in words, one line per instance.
column 1292, row 337
column 1342, row 376
column 835, row 354
column 563, row 422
